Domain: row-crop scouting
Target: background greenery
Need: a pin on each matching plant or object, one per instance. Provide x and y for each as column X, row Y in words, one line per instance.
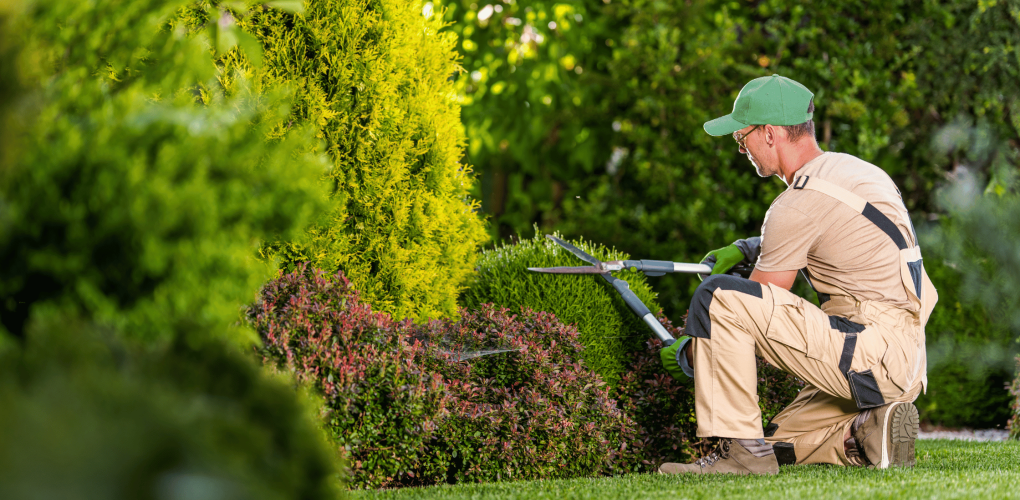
column 586, row 117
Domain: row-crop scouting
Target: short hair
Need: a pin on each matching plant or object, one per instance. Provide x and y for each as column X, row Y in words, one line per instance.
column 795, row 132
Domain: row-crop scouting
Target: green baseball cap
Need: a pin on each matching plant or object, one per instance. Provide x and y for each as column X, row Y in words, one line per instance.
column 769, row 100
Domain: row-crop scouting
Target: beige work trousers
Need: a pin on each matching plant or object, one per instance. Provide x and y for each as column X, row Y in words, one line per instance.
column 733, row 319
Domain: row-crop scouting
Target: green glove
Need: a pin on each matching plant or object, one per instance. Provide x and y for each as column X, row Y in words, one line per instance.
column 723, row 259
column 670, row 361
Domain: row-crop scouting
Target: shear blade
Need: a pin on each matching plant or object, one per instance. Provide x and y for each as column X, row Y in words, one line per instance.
column 574, row 250
column 566, row 270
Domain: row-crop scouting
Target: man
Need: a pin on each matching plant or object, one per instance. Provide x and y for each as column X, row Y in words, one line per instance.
column 842, row 223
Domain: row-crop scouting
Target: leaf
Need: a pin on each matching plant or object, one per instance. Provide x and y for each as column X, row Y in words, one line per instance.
column 292, row 6
column 251, row 47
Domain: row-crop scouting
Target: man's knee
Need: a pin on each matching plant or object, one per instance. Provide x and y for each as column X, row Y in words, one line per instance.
column 698, row 323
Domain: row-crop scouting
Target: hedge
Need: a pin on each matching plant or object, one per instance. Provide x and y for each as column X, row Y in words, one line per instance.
column 404, row 410
column 406, row 405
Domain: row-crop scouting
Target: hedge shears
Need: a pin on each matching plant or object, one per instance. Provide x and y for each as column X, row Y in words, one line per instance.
column 649, row 267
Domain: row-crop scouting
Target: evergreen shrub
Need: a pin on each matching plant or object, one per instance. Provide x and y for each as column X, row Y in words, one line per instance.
column 373, row 79
column 88, row 416
column 608, row 329
column 404, row 411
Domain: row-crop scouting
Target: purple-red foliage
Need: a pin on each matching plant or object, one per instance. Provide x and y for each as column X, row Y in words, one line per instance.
column 404, row 411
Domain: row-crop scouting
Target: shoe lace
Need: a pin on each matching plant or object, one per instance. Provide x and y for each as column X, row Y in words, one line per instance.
column 723, row 451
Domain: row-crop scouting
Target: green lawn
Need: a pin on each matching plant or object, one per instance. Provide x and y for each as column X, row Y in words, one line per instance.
column 945, row 469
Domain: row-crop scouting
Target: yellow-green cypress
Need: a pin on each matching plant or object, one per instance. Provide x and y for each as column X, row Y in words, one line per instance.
column 373, row 76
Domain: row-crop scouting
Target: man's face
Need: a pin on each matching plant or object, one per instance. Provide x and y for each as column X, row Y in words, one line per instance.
column 751, row 142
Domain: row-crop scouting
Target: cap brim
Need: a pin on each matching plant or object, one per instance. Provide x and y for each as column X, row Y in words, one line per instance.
column 724, row 125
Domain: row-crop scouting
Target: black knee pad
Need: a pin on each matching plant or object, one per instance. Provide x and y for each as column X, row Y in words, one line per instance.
column 698, row 324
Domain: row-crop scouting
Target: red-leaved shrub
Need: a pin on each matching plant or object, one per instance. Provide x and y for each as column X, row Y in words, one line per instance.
column 404, row 410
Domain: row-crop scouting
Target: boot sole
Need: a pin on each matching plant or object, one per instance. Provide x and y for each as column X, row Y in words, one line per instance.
column 900, row 426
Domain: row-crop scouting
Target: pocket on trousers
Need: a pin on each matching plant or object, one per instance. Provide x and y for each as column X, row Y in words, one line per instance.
column 883, row 382
column 895, row 365
column 787, row 323
column 794, row 326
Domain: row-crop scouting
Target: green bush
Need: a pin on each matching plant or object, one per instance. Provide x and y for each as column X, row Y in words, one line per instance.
column 373, row 78
column 88, row 416
column 973, row 332
column 608, row 329
column 124, row 199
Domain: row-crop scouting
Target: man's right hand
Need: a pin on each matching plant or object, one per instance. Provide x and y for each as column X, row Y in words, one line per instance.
column 723, row 259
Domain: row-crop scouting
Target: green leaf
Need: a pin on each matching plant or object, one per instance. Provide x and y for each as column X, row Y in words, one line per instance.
column 292, row 6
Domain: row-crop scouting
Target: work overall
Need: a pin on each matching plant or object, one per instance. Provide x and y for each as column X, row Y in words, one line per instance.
column 852, row 354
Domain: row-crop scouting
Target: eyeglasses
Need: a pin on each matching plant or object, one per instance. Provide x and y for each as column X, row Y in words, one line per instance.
column 742, row 139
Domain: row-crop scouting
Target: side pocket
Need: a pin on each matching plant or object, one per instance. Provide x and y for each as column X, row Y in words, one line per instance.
column 895, row 365
column 798, row 324
column 787, row 323
column 865, row 389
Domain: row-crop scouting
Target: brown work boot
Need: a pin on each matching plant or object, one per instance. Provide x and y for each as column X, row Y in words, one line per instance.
column 885, row 435
column 733, row 456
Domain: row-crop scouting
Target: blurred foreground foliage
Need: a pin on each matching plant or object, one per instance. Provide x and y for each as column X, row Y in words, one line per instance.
column 88, row 416
column 133, row 199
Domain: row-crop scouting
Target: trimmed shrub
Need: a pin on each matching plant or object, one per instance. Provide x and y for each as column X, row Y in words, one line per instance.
column 373, row 78
column 404, row 411
column 123, row 199
column 608, row 329
column 88, row 416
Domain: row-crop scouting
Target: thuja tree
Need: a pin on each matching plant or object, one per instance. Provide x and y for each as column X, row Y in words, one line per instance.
column 374, row 79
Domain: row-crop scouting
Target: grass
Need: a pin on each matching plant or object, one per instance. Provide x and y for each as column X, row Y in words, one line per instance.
column 945, row 469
